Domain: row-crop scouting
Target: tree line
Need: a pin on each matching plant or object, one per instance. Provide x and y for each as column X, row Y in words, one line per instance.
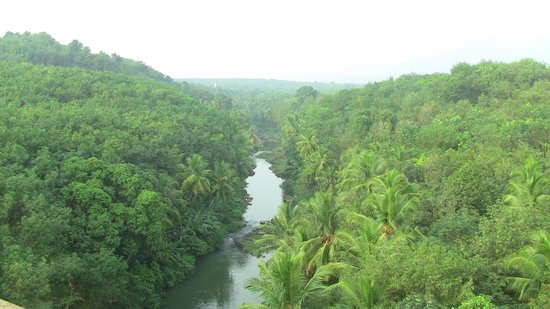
column 42, row 49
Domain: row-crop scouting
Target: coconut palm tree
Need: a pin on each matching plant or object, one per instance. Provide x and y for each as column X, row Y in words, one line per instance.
column 315, row 166
column 358, row 291
column 168, row 188
column 307, row 145
column 353, row 184
column 357, row 172
column 392, row 201
column 282, row 230
column 283, row 284
column 327, row 179
column 360, row 238
column 245, row 164
column 291, row 125
column 196, row 176
column 223, row 181
column 320, row 223
column 531, row 266
column 528, row 187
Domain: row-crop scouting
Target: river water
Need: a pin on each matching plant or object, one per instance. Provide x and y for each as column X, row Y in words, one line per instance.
column 219, row 278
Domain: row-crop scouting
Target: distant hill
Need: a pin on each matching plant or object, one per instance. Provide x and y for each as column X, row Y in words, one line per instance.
column 256, row 85
column 43, row 49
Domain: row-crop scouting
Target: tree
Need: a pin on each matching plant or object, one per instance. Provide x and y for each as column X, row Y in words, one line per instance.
column 392, row 201
column 223, row 181
column 305, row 93
column 359, row 170
column 93, row 212
column 428, row 267
column 282, row 230
column 315, row 167
column 320, row 223
column 360, row 237
column 196, row 175
column 283, row 284
column 359, row 291
column 354, row 182
column 471, row 186
column 528, row 186
column 531, row 266
column 307, row 145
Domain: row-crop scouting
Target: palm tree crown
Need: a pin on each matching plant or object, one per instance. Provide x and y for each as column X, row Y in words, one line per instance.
column 196, row 175
column 532, row 266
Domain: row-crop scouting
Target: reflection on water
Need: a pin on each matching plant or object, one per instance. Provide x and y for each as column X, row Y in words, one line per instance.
column 219, row 278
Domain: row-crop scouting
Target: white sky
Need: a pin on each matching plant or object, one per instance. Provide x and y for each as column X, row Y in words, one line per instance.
column 340, row 40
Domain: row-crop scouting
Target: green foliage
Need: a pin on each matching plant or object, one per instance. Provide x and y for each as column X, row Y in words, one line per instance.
column 359, row 291
column 456, row 227
column 42, row 49
column 282, row 283
column 113, row 179
column 196, row 176
column 478, row 302
column 416, row 301
column 429, row 268
column 392, row 200
column 532, row 266
column 434, row 180
column 542, row 300
column 96, row 210
column 471, row 186
column 528, row 187
column 282, row 230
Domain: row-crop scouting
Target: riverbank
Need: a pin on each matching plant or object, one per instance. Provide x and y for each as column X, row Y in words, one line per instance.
column 247, row 243
column 220, row 277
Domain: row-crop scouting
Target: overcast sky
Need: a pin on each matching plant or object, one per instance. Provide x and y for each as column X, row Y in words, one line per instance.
column 340, row 40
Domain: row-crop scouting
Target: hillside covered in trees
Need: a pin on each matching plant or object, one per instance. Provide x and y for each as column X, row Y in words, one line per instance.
column 111, row 181
column 43, row 49
column 425, row 191
column 257, row 98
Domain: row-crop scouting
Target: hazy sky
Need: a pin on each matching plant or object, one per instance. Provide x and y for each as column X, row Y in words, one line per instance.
column 319, row 40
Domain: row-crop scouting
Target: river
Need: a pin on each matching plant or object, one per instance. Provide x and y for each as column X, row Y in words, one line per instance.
column 219, row 278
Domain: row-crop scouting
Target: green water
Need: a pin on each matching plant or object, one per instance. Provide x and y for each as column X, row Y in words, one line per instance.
column 219, row 278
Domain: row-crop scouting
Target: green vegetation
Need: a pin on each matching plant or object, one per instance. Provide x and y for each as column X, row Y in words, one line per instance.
column 258, row 99
column 42, row 49
column 237, row 86
column 110, row 184
column 427, row 191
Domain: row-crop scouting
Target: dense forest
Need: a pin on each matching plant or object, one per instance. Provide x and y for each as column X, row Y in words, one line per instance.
column 258, row 99
column 425, row 191
column 112, row 181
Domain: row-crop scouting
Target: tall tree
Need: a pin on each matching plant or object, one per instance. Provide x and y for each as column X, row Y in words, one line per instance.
column 283, row 230
column 282, row 283
column 196, row 175
column 392, row 201
column 223, row 181
column 321, row 221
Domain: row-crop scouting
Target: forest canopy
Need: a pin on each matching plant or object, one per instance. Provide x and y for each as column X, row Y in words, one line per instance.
column 110, row 183
column 425, row 191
